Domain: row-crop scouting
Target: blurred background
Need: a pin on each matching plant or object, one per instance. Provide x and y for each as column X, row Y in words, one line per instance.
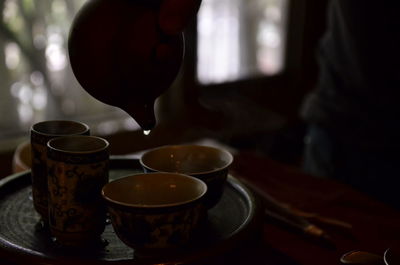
column 247, row 67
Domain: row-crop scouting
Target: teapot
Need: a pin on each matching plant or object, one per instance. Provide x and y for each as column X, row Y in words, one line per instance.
column 120, row 56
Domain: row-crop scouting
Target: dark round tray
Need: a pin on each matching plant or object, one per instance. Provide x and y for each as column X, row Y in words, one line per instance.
column 23, row 241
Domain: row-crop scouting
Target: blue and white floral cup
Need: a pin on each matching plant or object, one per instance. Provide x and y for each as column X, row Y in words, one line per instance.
column 155, row 213
column 41, row 133
column 209, row 164
column 78, row 168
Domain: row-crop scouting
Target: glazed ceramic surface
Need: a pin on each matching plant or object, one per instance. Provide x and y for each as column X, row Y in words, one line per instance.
column 392, row 255
column 156, row 211
column 22, row 243
column 116, row 53
column 41, row 133
column 77, row 170
column 22, row 157
column 203, row 162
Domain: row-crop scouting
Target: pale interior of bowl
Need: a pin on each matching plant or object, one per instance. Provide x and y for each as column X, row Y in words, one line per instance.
column 154, row 190
column 187, row 159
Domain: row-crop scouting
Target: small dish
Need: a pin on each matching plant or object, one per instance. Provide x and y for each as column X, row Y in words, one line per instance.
column 392, row 256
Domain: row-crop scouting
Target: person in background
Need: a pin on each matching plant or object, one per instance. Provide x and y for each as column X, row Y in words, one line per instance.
column 353, row 115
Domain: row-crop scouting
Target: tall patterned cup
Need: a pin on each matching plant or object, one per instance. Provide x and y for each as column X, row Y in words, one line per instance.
column 77, row 170
column 41, row 133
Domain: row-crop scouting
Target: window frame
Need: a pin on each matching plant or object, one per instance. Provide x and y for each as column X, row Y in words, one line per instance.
column 283, row 92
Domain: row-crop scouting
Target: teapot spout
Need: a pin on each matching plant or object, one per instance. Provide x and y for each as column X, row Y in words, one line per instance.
column 143, row 114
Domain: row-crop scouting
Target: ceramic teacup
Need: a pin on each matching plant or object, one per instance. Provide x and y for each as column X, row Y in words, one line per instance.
column 155, row 213
column 22, row 160
column 77, row 171
column 41, row 133
column 207, row 163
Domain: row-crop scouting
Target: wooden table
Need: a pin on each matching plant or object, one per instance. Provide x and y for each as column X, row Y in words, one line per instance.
column 375, row 226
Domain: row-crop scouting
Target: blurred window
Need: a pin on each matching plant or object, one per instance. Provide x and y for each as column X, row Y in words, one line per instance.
column 236, row 39
column 239, row 39
column 36, row 82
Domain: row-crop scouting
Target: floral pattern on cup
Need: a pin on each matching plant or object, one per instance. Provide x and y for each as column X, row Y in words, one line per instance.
column 41, row 133
column 77, row 212
column 156, row 213
column 158, row 231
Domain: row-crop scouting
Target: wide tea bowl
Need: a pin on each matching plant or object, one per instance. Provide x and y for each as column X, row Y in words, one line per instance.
column 155, row 213
column 210, row 164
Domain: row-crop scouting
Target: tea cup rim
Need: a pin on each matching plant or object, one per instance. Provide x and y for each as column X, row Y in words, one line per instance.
column 104, row 147
column 226, row 165
column 34, row 128
column 154, row 206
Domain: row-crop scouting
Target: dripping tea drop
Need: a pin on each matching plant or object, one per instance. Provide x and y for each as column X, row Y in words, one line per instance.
column 146, row 132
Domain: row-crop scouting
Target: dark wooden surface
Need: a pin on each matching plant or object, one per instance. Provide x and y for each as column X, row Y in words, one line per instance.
column 375, row 225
